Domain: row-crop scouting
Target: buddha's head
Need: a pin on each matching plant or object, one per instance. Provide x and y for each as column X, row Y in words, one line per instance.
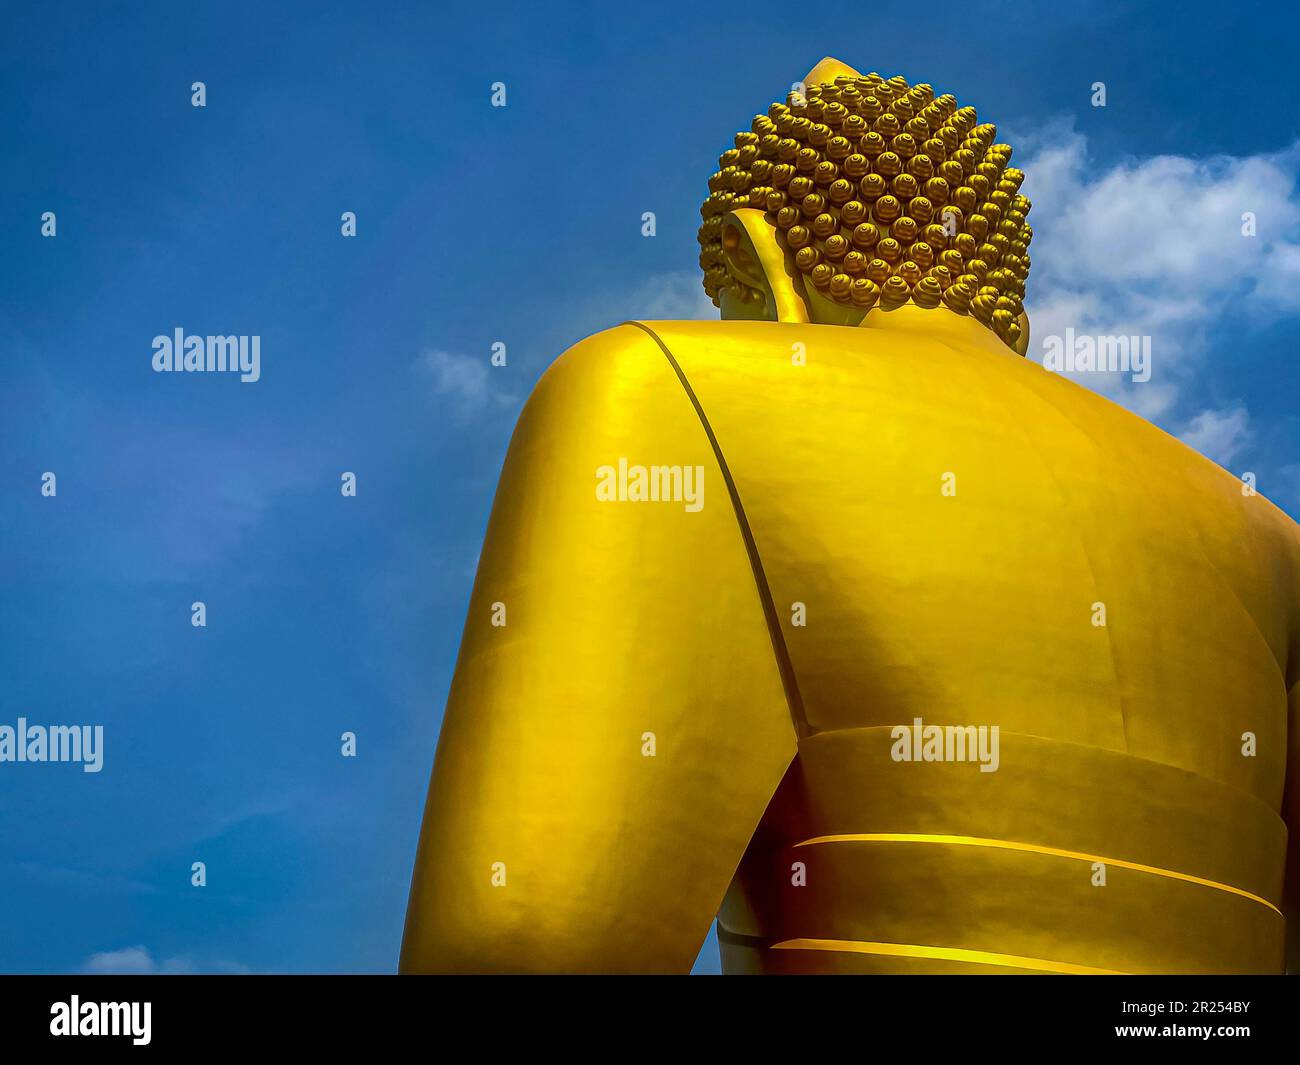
column 861, row 195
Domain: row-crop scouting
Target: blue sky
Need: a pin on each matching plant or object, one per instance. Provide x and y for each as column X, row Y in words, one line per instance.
column 475, row 225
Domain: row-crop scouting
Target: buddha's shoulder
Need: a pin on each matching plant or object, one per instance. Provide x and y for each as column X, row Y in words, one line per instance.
column 941, row 387
column 933, row 355
column 750, row 357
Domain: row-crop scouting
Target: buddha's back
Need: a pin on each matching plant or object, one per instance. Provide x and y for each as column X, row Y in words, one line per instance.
column 956, row 542
column 1014, row 663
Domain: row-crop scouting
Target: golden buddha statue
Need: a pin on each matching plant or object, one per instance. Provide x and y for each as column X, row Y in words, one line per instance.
column 841, row 621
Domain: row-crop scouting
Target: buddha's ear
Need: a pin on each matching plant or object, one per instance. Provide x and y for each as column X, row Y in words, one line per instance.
column 1021, row 345
column 755, row 258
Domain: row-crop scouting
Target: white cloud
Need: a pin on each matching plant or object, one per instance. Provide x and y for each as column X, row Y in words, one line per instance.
column 138, row 961
column 1219, row 434
column 674, row 296
column 130, row 961
column 678, row 295
column 1154, row 247
column 1280, row 284
column 465, row 379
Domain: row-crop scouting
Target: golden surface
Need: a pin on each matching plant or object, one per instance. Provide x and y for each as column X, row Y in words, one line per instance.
column 1032, row 848
column 652, row 738
column 974, row 957
column 621, row 619
column 1119, row 744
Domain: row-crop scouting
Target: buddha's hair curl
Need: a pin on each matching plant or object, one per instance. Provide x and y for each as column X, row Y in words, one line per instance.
column 883, row 193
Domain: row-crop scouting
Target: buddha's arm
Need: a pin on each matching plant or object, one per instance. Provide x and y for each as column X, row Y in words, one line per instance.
column 606, row 752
